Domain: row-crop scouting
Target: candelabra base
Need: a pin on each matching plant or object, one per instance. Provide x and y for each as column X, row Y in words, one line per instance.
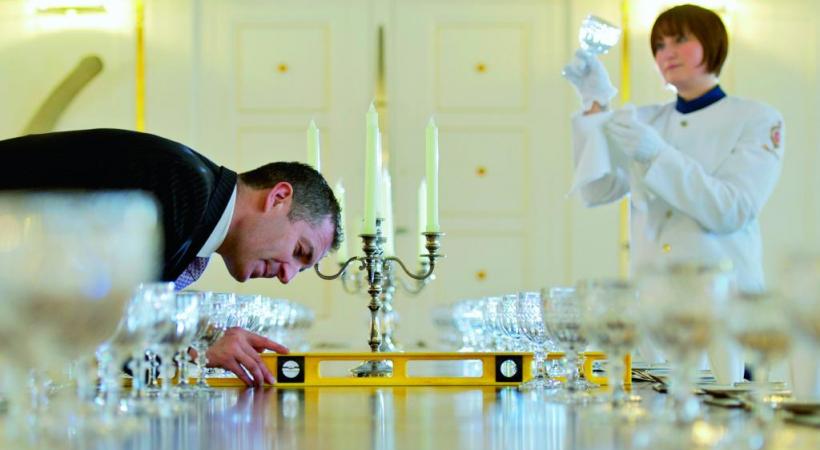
column 373, row 369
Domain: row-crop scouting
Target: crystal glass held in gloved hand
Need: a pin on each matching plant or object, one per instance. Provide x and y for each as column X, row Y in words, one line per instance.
column 585, row 72
column 597, row 36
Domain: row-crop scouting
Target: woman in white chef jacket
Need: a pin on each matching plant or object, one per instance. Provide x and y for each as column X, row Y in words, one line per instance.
column 699, row 169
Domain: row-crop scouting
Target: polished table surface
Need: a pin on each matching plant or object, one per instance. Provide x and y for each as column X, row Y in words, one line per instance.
column 436, row 418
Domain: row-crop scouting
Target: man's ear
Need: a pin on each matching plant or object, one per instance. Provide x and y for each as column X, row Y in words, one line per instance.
column 279, row 196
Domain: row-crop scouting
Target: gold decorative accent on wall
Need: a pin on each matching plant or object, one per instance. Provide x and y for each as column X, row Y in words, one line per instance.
column 258, row 86
column 481, row 275
column 506, row 89
column 139, row 15
column 48, row 114
column 626, row 94
column 481, row 171
column 481, row 143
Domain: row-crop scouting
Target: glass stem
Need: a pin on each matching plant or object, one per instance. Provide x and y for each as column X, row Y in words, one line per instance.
column 680, row 388
column 202, row 363
column 616, row 379
column 760, row 385
column 572, row 369
column 166, row 372
column 539, row 356
column 182, row 363
column 138, row 367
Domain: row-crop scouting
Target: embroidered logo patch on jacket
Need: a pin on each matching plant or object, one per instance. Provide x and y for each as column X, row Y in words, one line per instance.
column 774, row 135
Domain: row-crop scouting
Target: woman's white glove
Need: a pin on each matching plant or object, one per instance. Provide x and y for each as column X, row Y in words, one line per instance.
column 638, row 141
column 590, row 79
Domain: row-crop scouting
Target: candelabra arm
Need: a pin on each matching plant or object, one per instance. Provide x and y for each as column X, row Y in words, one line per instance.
column 415, row 276
column 417, row 287
column 337, row 274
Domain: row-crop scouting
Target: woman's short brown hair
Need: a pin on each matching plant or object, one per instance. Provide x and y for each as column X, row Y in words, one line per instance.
column 703, row 23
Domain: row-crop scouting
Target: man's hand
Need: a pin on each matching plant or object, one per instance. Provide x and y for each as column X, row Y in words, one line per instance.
column 239, row 348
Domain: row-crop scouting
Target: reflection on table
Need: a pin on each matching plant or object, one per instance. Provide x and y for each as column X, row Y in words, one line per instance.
column 433, row 417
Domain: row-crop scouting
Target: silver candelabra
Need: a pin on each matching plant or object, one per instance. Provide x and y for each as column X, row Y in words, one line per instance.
column 378, row 275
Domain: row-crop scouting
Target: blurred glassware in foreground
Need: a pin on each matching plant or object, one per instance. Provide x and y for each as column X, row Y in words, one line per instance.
column 562, row 313
column 68, row 265
column 611, row 322
column 801, row 289
column 760, row 327
column 678, row 312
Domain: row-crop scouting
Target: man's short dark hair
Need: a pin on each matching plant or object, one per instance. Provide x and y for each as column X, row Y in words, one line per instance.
column 313, row 200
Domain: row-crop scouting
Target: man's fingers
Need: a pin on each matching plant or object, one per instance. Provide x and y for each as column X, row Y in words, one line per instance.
column 267, row 377
column 253, row 367
column 261, row 343
column 234, row 367
column 253, row 353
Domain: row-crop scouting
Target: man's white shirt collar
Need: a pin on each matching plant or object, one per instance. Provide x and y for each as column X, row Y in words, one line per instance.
column 220, row 231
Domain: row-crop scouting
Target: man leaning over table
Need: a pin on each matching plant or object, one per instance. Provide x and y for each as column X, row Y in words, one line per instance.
column 273, row 221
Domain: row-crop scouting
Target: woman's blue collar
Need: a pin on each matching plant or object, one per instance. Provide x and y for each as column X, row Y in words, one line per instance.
column 711, row 96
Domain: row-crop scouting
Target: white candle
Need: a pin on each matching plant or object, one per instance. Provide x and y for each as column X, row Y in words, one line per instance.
column 371, row 171
column 431, row 163
column 422, row 217
column 339, row 191
column 380, row 213
column 388, row 229
column 313, row 151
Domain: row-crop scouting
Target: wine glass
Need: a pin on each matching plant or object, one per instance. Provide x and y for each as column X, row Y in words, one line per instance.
column 678, row 312
column 144, row 359
column 212, row 314
column 562, row 313
column 531, row 321
column 192, row 338
column 468, row 318
column 801, row 288
column 126, row 346
column 759, row 326
column 611, row 321
column 510, row 324
column 177, row 318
